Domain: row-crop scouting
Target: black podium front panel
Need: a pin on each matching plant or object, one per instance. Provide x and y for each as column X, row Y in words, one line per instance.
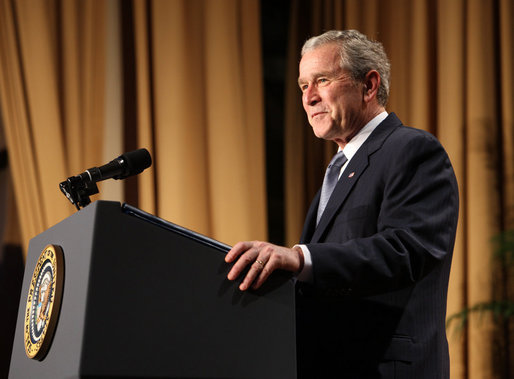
column 144, row 300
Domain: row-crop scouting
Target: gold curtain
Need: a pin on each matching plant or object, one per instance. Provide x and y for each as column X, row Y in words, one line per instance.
column 50, row 81
column 200, row 109
column 452, row 74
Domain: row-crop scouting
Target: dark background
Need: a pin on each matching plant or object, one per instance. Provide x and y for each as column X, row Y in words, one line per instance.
column 275, row 30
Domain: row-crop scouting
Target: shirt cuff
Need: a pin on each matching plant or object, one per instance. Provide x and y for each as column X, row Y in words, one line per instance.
column 306, row 274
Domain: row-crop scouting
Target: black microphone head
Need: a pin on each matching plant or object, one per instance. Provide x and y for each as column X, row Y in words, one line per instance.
column 135, row 162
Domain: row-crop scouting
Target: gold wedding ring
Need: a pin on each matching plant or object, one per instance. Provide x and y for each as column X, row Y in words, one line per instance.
column 260, row 262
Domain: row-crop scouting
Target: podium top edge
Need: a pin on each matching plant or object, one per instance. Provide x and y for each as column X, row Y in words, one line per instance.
column 136, row 212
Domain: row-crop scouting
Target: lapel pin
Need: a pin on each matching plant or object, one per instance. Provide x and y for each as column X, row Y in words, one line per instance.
column 351, row 174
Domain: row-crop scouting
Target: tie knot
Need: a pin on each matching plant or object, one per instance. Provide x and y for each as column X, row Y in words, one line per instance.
column 338, row 160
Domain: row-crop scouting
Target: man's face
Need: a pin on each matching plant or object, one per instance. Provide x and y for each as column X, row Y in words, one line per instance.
column 332, row 100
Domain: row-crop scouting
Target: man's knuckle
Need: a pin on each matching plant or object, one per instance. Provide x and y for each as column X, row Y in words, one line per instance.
column 274, row 259
column 268, row 249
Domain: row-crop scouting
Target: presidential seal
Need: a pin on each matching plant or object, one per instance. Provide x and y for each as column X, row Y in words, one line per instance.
column 43, row 302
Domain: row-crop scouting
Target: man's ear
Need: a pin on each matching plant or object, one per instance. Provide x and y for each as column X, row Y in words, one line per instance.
column 371, row 84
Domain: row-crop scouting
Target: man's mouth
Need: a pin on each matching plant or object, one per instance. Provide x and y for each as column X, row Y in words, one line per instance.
column 317, row 114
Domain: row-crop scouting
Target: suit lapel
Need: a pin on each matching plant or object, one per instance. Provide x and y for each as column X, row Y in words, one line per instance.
column 356, row 167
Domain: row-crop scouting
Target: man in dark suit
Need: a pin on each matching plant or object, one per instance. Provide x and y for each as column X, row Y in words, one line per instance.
column 374, row 258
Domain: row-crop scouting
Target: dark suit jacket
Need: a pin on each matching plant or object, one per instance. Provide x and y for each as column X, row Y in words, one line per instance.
column 381, row 258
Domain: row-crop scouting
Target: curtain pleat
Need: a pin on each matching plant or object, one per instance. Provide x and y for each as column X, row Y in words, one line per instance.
column 506, row 75
column 200, row 105
column 180, row 148
column 505, row 46
column 51, row 96
column 235, row 120
column 451, row 130
column 24, row 105
column 145, row 124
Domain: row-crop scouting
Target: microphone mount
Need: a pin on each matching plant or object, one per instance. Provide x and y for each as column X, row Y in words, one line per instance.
column 78, row 190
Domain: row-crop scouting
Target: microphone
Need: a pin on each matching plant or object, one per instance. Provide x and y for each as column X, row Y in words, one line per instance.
column 128, row 164
column 78, row 188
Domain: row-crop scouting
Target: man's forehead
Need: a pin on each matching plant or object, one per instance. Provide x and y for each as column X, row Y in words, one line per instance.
column 318, row 70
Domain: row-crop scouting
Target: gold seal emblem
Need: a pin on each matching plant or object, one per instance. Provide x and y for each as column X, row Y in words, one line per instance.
column 43, row 302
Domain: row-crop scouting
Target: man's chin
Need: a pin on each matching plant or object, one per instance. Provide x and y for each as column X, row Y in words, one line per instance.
column 321, row 132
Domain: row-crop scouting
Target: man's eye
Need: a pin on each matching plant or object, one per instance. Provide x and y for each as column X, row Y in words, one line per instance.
column 322, row 80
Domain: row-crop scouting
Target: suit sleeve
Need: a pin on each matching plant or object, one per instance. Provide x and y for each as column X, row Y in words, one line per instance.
column 415, row 198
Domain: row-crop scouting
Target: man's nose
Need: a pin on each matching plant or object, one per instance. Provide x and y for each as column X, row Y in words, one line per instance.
column 311, row 96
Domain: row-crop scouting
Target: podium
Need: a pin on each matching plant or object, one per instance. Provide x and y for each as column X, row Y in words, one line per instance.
column 144, row 298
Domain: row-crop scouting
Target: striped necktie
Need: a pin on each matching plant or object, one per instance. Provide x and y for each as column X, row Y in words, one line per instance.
column 330, row 181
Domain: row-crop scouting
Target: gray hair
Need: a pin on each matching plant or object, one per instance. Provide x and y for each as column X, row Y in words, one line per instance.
column 359, row 55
